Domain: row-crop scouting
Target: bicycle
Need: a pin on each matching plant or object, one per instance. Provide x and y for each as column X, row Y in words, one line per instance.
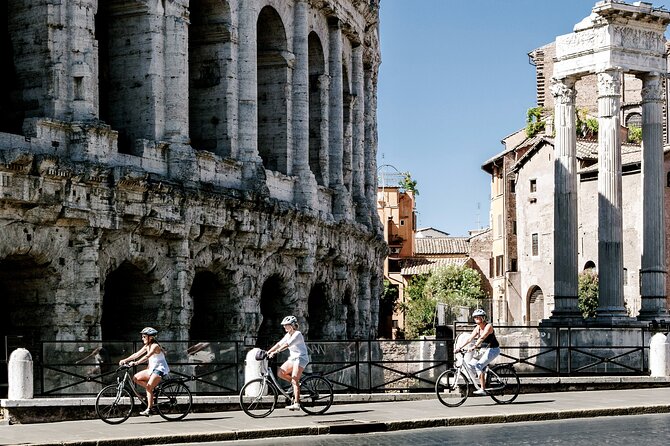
column 258, row 397
column 453, row 386
column 115, row 402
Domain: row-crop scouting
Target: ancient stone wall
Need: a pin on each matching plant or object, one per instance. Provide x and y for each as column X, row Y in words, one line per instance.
column 202, row 167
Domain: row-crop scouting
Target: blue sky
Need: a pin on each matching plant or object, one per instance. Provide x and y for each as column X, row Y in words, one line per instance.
column 455, row 79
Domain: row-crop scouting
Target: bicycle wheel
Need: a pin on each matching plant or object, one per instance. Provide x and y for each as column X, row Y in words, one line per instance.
column 316, row 395
column 173, row 400
column 452, row 388
column 503, row 384
column 113, row 404
column 258, row 398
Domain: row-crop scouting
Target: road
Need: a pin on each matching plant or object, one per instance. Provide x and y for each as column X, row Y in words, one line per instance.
column 621, row 430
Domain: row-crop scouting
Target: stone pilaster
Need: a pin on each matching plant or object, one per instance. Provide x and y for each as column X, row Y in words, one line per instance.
column 610, row 229
column 324, row 101
column 565, row 202
column 175, row 67
column 358, row 137
column 370, row 145
column 653, row 271
column 305, row 190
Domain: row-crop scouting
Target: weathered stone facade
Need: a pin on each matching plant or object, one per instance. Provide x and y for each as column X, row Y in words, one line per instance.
column 205, row 167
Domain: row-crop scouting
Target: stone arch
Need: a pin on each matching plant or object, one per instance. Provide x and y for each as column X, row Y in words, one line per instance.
column 318, row 126
column 272, row 82
column 11, row 111
column 129, row 303
column 209, row 48
column 590, row 266
column 319, row 312
column 215, row 317
column 535, row 305
column 273, row 303
column 28, row 295
column 122, row 62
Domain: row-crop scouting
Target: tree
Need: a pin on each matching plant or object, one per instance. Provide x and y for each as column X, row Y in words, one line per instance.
column 418, row 310
column 408, row 184
column 588, row 293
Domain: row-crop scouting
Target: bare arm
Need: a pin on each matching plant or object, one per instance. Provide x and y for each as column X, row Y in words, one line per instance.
column 135, row 355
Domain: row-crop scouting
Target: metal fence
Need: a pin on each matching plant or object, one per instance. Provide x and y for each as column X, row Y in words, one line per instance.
column 71, row 368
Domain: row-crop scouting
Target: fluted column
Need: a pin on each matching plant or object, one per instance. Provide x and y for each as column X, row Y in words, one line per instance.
column 565, row 202
column 610, row 228
column 653, row 271
column 358, row 136
column 336, row 119
column 305, row 190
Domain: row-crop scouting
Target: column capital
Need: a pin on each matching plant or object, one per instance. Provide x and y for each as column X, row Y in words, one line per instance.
column 609, row 82
column 652, row 87
column 563, row 90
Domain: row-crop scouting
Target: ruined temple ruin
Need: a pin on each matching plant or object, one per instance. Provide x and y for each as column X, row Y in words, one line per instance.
column 203, row 166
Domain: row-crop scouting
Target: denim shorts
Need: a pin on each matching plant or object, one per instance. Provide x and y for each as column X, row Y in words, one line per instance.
column 158, row 372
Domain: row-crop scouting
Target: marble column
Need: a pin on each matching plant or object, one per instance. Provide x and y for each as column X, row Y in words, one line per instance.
column 565, row 202
column 653, row 271
column 610, row 228
column 358, row 137
column 305, row 190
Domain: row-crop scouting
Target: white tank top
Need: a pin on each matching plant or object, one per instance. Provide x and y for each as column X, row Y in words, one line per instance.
column 158, row 362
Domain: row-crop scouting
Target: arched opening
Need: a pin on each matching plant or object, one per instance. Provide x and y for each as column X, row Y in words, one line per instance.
column 535, row 308
column 209, row 49
column 11, row 111
column 124, row 59
column 590, row 266
column 387, row 304
column 348, row 103
column 128, row 304
column 318, row 312
column 273, row 75
column 214, row 315
column 349, row 307
column 273, row 310
column 318, row 128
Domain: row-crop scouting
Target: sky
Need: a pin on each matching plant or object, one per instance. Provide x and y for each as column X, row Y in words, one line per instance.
column 455, row 79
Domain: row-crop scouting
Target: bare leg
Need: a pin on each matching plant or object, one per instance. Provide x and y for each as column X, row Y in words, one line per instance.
column 295, row 380
column 151, row 385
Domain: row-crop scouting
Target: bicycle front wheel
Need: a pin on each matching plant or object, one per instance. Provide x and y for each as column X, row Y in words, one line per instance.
column 452, row 388
column 316, row 395
column 258, row 398
column 114, row 404
column 173, row 400
column 503, row 384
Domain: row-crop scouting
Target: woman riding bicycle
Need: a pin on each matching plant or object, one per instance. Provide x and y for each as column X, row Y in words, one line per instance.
column 153, row 353
column 486, row 340
column 298, row 358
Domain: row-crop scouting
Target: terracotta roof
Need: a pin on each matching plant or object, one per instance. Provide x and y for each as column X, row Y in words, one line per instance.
column 441, row 245
column 410, row 267
column 630, row 154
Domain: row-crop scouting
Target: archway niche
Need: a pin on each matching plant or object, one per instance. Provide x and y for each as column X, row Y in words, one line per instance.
column 318, row 313
column 272, row 82
column 535, row 308
column 347, row 149
column 318, row 127
column 128, row 304
column 214, row 314
column 209, row 48
column 273, row 310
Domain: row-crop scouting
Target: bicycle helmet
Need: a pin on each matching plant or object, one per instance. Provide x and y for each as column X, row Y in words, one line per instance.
column 289, row 320
column 149, row 331
column 261, row 354
column 479, row 313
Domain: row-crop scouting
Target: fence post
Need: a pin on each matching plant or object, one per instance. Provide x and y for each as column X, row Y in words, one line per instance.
column 20, row 374
column 659, row 355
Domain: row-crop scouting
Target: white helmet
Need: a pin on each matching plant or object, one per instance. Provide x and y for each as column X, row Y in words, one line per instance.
column 289, row 320
column 479, row 313
column 149, row 331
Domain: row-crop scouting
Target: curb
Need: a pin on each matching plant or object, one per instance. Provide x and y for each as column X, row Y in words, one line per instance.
column 363, row 427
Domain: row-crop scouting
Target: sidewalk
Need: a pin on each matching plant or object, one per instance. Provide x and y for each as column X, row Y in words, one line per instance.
column 343, row 418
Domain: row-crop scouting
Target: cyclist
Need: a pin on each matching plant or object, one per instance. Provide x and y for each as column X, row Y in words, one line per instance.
column 291, row 370
column 485, row 338
column 153, row 353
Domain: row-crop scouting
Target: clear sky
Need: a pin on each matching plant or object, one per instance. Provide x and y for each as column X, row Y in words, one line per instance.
column 455, row 79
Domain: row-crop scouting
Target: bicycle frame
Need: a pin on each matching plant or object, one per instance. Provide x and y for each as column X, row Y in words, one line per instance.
column 464, row 369
column 128, row 383
column 269, row 376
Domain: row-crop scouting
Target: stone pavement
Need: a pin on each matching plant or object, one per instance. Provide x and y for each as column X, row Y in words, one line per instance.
column 342, row 418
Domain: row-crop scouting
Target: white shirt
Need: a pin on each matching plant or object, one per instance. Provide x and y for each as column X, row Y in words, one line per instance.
column 296, row 345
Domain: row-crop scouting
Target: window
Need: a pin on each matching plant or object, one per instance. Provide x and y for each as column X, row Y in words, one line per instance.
column 634, row 120
column 533, row 185
column 512, row 186
column 78, row 88
column 402, row 222
column 499, row 266
column 535, row 249
column 668, row 180
column 491, row 267
column 625, row 276
column 500, row 225
column 512, row 265
column 514, row 227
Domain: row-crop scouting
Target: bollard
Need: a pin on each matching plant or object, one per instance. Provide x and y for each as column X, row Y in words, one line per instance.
column 20, row 374
column 659, row 355
column 253, row 368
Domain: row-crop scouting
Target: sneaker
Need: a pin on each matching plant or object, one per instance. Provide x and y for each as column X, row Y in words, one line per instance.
column 147, row 412
column 294, row 406
column 479, row 392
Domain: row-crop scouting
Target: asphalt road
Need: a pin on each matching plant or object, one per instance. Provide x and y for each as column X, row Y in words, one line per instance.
column 653, row 429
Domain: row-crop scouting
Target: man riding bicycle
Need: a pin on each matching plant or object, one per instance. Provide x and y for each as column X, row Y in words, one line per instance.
column 486, row 341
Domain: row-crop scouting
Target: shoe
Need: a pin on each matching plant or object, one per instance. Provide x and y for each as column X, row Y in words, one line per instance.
column 294, row 406
column 147, row 412
column 479, row 392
